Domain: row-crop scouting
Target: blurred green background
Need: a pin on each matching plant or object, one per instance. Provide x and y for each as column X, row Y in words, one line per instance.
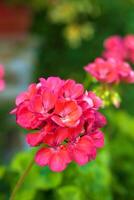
column 57, row 38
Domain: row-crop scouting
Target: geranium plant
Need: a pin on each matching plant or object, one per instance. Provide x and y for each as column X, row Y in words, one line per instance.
column 63, row 119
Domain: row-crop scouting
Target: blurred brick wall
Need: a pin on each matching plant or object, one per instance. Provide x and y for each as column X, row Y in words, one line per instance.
column 14, row 20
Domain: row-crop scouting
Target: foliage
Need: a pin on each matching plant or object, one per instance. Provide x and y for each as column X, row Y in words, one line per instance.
column 71, row 15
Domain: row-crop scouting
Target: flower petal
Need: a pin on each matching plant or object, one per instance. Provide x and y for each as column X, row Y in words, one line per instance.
column 43, row 156
column 56, row 163
column 36, row 104
column 72, row 90
column 48, row 100
column 98, row 138
column 34, row 139
column 25, row 118
column 68, row 113
column 79, row 157
column 22, row 97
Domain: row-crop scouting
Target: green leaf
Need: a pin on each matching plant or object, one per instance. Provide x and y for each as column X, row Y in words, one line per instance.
column 123, row 121
column 2, row 171
column 21, row 160
column 25, row 194
column 43, row 178
column 69, row 192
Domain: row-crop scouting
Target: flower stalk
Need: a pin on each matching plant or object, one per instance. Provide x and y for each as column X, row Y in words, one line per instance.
column 21, row 180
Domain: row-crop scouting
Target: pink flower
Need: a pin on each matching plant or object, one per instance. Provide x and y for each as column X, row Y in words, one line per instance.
column 126, row 74
column 56, row 158
column 26, row 118
column 2, row 74
column 103, row 71
column 113, row 42
column 82, row 150
column 110, row 71
column 114, row 48
column 100, row 120
column 67, row 113
column 129, row 44
column 71, row 90
column 36, row 138
column 53, row 84
column 32, row 90
column 64, row 119
column 91, row 100
column 98, row 138
column 119, row 48
column 43, row 104
column 57, row 136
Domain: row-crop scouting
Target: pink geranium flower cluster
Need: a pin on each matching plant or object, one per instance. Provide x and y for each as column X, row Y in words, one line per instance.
column 63, row 119
column 121, row 48
column 2, row 82
column 110, row 70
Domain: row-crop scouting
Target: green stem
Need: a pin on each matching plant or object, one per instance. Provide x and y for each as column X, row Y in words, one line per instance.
column 21, row 180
